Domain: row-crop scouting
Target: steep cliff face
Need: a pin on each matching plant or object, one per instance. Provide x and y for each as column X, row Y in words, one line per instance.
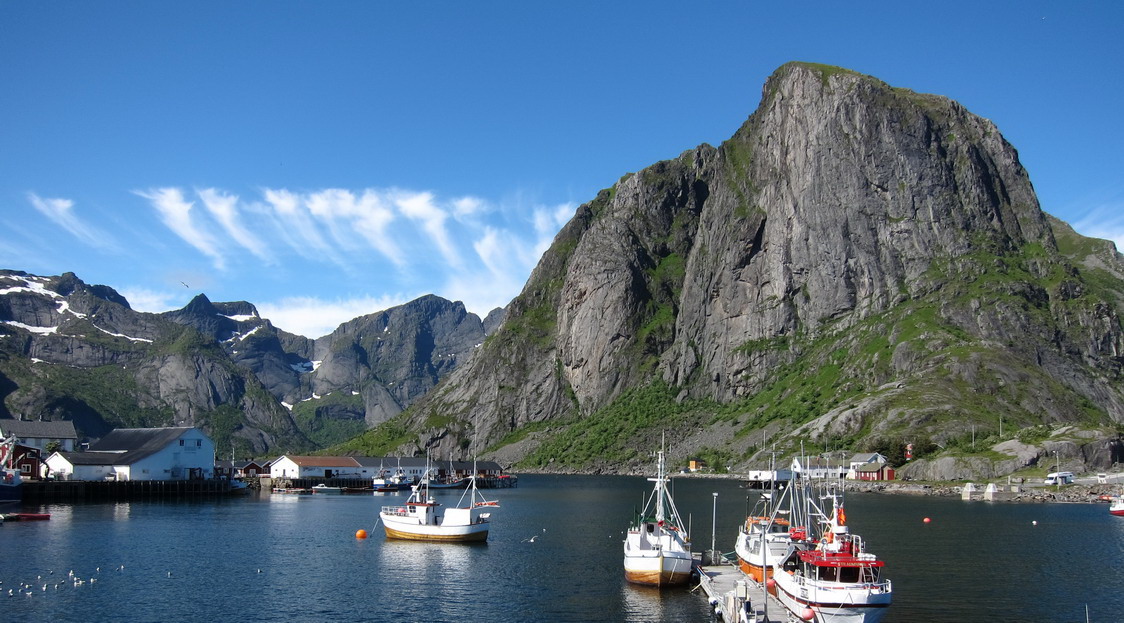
column 856, row 264
column 395, row 356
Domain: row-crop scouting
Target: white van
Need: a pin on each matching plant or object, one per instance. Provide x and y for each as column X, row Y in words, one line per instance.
column 1059, row 478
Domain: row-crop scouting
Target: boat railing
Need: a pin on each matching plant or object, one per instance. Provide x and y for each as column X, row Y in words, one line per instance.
column 401, row 511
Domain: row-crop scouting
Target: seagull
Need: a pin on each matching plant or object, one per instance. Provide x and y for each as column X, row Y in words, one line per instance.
column 185, row 285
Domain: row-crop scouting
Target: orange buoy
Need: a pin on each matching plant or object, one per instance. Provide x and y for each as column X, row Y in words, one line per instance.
column 360, row 534
column 808, row 614
column 926, row 520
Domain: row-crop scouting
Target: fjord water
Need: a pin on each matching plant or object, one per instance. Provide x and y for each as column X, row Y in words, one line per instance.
column 295, row 558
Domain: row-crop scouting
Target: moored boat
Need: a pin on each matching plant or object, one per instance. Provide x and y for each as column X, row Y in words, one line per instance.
column 657, row 550
column 762, row 540
column 324, row 489
column 830, row 578
column 24, row 516
column 421, row 518
column 1117, row 506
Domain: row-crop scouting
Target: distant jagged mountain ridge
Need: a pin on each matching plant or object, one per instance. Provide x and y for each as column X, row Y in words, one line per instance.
column 69, row 350
column 858, row 266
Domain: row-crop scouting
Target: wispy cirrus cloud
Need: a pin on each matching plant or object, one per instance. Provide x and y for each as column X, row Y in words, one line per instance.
column 314, row 317
column 224, row 208
column 1105, row 220
column 461, row 248
column 61, row 212
column 421, row 208
column 176, row 213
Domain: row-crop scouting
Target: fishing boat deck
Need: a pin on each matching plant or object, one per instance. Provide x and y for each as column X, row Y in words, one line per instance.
column 729, row 587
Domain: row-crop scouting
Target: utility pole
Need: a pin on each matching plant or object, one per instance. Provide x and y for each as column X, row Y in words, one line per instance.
column 713, row 526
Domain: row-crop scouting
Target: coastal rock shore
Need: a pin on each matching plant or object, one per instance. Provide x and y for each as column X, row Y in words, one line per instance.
column 1026, row 493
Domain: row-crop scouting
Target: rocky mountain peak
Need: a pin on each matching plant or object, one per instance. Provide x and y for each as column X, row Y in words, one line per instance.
column 844, row 218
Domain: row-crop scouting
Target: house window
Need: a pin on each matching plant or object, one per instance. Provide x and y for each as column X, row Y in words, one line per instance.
column 181, row 442
column 198, row 443
column 25, row 469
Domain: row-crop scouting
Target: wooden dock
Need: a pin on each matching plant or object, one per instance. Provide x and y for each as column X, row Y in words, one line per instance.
column 735, row 597
column 96, row 491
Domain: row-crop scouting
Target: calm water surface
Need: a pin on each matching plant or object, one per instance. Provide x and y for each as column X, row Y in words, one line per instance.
column 295, row 558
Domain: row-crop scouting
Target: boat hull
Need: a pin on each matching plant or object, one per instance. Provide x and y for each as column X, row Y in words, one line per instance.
column 658, row 570
column 444, row 534
column 10, row 493
column 757, row 552
column 834, row 605
column 757, row 572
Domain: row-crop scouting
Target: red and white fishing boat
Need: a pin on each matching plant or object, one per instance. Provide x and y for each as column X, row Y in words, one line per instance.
column 657, row 549
column 1117, row 506
column 826, row 575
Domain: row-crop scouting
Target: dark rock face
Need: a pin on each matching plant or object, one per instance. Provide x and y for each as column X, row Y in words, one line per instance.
column 887, row 239
column 394, row 357
column 74, row 351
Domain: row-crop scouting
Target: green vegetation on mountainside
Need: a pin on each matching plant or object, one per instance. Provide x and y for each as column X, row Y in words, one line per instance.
column 312, row 418
column 946, row 389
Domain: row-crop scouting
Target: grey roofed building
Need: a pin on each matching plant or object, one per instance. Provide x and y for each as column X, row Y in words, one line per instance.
column 129, row 445
column 39, row 434
column 170, row 453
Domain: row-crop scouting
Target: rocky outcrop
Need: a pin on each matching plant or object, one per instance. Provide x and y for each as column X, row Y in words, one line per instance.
column 69, row 350
column 858, row 262
column 394, row 357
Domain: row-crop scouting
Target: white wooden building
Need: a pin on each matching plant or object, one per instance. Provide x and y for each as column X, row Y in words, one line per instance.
column 819, row 467
column 863, row 462
column 172, row 453
column 294, row 466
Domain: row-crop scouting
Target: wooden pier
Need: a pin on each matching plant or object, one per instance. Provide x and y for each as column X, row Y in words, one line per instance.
column 735, row 597
column 97, row 491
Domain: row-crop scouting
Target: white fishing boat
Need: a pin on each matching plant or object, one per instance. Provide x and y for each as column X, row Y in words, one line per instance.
column 826, row 575
column 763, row 539
column 422, row 518
column 657, row 549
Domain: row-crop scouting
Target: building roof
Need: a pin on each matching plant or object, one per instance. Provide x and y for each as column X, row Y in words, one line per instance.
column 867, row 457
column 872, row 467
column 94, row 458
column 816, row 462
column 125, row 446
column 62, row 429
column 321, row 461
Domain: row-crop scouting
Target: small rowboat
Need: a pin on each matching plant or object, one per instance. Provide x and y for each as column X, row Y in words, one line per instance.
column 25, row 516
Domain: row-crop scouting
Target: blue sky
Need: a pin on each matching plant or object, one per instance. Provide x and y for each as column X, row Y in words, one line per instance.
column 324, row 160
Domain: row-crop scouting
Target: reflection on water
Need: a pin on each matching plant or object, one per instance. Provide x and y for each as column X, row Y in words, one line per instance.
column 288, row 557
